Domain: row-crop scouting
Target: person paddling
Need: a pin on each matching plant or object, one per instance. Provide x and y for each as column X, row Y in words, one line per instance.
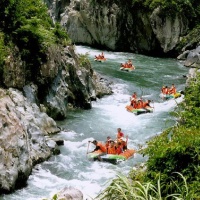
column 99, row 146
column 172, row 90
column 147, row 104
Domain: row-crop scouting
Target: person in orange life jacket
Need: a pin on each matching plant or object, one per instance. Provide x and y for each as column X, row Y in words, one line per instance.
column 134, row 96
column 172, row 90
column 163, row 89
column 101, row 55
column 129, row 63
column 124, row 143
column 147, row 104
column 119, row 133
column 107, row 143
column 99, row 146
column 119, row 148
column 139, row 104
column 166, row 90
column 111, row 148
column 133, row 102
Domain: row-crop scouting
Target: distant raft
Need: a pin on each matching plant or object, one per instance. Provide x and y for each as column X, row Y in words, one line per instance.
column 128, row 66
column 111, row 158
column 140, row 110
column 100, row 59
column 171, row 96
column 128, row 69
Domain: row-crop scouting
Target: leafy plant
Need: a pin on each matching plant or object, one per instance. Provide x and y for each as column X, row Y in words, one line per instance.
column 83, row 59
column 124, row 188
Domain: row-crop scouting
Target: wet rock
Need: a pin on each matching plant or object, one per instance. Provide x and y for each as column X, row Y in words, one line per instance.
column 70, row 193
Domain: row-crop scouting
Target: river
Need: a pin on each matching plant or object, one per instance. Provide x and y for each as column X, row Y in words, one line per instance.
column 71, row 167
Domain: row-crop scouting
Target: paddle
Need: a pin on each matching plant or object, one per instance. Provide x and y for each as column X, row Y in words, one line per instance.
column 153, row 105
column 88, row 146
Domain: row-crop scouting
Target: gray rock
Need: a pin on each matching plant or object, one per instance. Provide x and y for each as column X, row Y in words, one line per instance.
column 184, row 55
column 168, row 29
column 192, row 58
column 119, row 27
column 22, row 141
column 70, row 193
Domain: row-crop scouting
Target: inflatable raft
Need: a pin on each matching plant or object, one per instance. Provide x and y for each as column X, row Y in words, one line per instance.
column 128, row 69
column 139, row 111
column 111, row 158
column 100, row 59
column 170, row 96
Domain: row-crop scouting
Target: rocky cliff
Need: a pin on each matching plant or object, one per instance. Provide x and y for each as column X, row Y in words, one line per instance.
column 117, row 25
column 29, row 97
column 65, row 79
column 24, row 140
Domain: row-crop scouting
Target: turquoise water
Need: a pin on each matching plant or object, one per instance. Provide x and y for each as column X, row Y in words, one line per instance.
column 71, row 167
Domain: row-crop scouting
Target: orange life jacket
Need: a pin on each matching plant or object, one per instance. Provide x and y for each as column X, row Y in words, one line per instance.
column 145, row 104
column 119, row 135
column 119, row 149
column 173, row 90
column 134, row 96
column 139, row 104
column 166, row 91
column 111, row 150
column 102, row 147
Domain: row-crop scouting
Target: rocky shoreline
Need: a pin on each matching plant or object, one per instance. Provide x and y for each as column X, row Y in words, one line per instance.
column 27, row 121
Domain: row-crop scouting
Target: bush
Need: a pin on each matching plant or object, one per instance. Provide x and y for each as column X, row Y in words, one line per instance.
column 178, row 148
column 124, row 188
column 28, row 25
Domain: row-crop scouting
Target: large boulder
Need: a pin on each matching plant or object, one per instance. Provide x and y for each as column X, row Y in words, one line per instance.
column 23, row 142
column 191, row 58
column 70, row 193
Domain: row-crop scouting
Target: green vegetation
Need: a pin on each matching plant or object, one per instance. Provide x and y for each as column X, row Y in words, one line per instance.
column 173, row 166
column 83, row 59
column 123, row 188
column 190, row 8
column 27, row 25
column 3, row 53
column 191, row 40
column 179, row 146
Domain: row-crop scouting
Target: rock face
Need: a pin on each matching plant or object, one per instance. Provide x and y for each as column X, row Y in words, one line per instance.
column 65, row 79
column 23, row 142
column 168, row 30
column 118, row 26
column 70, row 193
column 191, row 58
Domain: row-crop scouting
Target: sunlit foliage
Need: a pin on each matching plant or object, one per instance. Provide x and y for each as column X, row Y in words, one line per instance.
column 27, row 24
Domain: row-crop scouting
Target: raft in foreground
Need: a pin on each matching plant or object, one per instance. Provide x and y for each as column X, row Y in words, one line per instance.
column 111, row 158
column 140, row 110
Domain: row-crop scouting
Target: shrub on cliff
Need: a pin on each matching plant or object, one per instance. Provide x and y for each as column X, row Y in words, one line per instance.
column 27, row 24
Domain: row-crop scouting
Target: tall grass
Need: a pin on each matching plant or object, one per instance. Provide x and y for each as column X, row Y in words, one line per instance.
column 124, row 188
